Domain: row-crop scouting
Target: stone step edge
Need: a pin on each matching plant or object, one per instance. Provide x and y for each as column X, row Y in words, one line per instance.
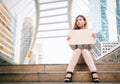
column 56, row 83
column 58, row 72
column 59, row 64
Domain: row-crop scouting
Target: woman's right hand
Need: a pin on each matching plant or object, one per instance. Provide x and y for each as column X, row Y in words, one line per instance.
column 68, row 37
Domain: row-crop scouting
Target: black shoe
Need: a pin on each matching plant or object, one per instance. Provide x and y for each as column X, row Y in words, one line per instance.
column 68, row 79
column 96, row 80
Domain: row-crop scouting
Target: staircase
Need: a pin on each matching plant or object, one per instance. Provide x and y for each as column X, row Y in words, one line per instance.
column 108, row 72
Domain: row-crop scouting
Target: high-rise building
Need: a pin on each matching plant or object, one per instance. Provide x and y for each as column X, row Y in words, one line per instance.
column 95, row 15
column 104, row 20
column 7, row 34
column 118, row 18
column 98, row 19
column 26, row 36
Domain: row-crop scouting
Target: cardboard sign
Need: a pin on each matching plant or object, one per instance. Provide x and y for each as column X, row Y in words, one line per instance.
column 80, row 37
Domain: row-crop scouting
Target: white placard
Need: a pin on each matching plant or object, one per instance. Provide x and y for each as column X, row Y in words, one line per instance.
column 80, row 37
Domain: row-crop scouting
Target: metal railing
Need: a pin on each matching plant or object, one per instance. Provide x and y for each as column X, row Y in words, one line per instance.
column 103, row 48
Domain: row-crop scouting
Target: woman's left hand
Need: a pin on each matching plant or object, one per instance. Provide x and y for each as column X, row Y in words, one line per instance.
column 93, row 35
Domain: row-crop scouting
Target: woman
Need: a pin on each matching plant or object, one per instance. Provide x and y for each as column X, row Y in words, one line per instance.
column 83, row 50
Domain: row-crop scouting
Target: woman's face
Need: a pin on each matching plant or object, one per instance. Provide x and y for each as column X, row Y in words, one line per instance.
column 80, row 22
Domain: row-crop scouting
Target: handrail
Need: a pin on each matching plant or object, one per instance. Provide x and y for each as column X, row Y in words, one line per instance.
column 97, row 53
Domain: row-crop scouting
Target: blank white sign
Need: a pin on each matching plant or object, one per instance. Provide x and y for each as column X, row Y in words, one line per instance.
column 82, row 36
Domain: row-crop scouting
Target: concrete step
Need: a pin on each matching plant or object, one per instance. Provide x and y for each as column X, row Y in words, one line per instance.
column 56, row 73
column 53, row 83
column 58, row 76
column 57, row 67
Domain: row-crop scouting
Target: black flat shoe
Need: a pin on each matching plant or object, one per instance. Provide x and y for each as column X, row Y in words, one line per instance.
column 95, row 80
column 68, row 79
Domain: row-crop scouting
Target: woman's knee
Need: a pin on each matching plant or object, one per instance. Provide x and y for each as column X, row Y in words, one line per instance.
column 85, row 51
column 78, row 50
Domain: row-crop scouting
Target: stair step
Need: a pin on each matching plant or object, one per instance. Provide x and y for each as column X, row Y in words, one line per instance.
column 58, row 76
column 56, row 67
column 53, row 83
column 56, row 73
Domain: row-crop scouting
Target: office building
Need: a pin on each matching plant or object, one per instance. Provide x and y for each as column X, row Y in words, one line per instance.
column 26, row 36
column 118, row 18
column 7, row 34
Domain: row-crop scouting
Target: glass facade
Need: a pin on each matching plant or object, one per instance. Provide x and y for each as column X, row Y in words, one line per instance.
column 105, row 30
column 95, row 17
column 118, row 18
